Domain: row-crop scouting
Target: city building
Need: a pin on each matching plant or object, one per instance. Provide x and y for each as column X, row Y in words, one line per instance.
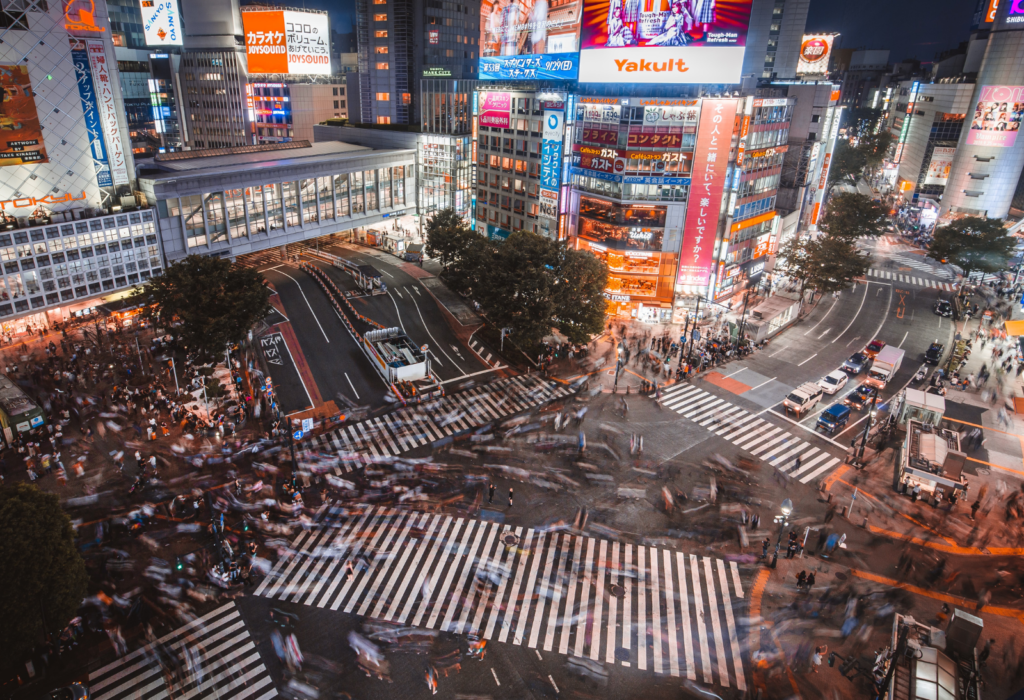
column 862, row 75
column 128, row 37
column 289, row 110
column 987, row 165
column 403, row 41
column 774, row 38
column 234, row 201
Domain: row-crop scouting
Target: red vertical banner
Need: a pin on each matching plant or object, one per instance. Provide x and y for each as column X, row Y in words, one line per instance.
column 710, row 168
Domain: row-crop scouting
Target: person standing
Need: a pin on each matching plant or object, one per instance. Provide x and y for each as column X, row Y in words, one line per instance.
column 509, row 496
column 974, row 509
column 490, row 494
column 819, row 653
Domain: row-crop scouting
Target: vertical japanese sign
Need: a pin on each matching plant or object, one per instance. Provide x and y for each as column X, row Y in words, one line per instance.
column 108, row 111
column 93, row 125
column 551, row 162
column 495, row 110
column 21, row 136
column 710, row 166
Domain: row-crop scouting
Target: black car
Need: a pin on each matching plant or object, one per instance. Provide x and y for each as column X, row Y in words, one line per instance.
column 75, row 691
column 933, row 354
column 856, row 364
column 943, row 308
column 860, row 398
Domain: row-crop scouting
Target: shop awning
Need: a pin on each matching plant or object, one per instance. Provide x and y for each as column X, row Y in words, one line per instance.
column 1015, row 327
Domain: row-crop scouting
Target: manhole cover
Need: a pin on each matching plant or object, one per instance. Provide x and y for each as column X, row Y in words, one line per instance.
column 617, row 590
column 621, row 654
column 841, row 576
column 510, row 539
column 983, row 472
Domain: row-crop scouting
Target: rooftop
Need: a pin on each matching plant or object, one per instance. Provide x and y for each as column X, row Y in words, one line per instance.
column 327, row 151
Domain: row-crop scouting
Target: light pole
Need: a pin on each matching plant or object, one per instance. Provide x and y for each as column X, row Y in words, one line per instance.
column 783, row 520
column 867, row 427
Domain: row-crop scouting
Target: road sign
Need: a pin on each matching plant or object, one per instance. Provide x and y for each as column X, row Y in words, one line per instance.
column 695, row 335
column 307, row 425
column 297, row 435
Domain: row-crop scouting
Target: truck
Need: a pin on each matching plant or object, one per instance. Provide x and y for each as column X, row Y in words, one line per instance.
column 803, row 398
column 887, row 363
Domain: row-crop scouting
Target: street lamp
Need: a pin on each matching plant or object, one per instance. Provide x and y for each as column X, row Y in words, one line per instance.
column 783, row 520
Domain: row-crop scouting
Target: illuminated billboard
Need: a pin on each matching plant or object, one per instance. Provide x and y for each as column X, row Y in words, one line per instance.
column 161, row 22
column 815, row 52
column 663, row 41
column 529, row 40
column 938, row 167
column 997, row 116
column 21, row 136
column 283, row 41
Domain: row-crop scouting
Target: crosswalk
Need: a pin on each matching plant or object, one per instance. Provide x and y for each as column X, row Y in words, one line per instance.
column 750, row 432
column 650, row 608
column 910, row 279
column 218, row 659
column 416, row 425
column 894, row 242
column 483, row 353
column 922, row 264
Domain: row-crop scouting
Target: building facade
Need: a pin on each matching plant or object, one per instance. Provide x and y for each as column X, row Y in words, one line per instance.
column 289, row 110
column 773, row 40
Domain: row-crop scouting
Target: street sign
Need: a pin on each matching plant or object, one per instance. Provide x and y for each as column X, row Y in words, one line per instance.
column 695, row 335
column 297, row 435
column 307, row 425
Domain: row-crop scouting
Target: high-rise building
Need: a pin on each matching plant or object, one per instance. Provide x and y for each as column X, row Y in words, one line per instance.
column 774, row 38
column 403, row 41
column 289, row 110
column 989, row 154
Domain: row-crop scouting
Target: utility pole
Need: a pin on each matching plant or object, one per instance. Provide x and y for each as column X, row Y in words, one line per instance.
column 743, row 319
column 696, row 316
column 867, row 427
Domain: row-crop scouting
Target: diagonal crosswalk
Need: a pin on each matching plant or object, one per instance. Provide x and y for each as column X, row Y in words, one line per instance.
column 923, row 264
column 416, row 425
column 217, row 658
column 766, row 441
column 650, row 608
column 910, row 279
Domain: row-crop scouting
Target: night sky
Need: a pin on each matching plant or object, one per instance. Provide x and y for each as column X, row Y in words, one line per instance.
column 908, row 28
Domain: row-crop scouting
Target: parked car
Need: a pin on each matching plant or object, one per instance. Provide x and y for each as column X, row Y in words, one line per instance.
column 833, row 418
column 874, row 347
column 833, row 381
column 933, row 354
column 943, row 308
column 860, row 397
column 857, row 363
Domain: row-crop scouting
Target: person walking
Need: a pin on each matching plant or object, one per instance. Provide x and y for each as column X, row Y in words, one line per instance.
column 509, row 496
column 490, row 494
column 801, row 579
column 819, row 654
column 765, row 544
column 810, row 581
column 974, row 509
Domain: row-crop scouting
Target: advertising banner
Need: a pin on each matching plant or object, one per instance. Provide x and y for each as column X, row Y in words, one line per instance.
column 161, row 22
column 284, row 41
column 90, row 111
column 21, row 137
column 529, row 40
column 495, row 110
column 997, row 116
column 631, row 179
column 663, row 41
column 591, row 161
column 710, row 166
column 670, row 116
column 601, row 114
column 640, row 139
column 605, row 137
column 815, row 52
column 551, row 149
column 549, row 204
column 108, row 111
column 938, row 167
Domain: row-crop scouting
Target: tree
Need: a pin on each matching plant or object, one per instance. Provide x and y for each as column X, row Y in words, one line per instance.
column 44, row 577
column 448, row 237
column 973, row 243
column 851, row 215
column 794, row 258
column 580, row 280
column 834, row 263
column 847, row 162
column 213, row 302
column 875, row 148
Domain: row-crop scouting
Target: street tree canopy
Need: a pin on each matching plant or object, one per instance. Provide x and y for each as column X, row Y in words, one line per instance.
column 973, row 243
column 826, row 264
column 851, row 215
column 206, row 303
column 528, row 283
column 44, row 578
column 847, row 162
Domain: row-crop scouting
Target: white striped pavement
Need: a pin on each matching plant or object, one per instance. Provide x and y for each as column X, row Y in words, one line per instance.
column 766, row 441
column 909, row 279
column 554, row 591
column 419, row 424
column 229, row 665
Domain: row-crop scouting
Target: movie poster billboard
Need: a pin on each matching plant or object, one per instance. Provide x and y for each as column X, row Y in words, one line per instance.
column 710, row 168
column 21, row 137
column 529, row 40
column 997, row 116
column 938, row 167
column 284, row 41
column 663, row 41
column 815, row 52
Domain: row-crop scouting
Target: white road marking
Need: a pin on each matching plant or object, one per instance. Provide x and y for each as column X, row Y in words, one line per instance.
column 352, row 385
column 307, row 304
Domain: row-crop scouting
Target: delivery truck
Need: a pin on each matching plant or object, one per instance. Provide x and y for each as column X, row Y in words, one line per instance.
column 887, row 363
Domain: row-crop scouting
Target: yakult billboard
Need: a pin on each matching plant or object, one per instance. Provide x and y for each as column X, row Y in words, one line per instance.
column 663, row 41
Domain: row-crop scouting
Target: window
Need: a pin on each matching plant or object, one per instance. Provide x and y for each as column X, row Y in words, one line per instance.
column 336, row 104
column 383, row 120
column 325, row 187
column 381, row 49
column 236, row 213
column 383, row 96
column 380, row 34
column 380, row 17
column 381, row 65
column 336, row 89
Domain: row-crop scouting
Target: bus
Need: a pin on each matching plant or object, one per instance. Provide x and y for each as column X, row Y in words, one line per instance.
column 18, row 412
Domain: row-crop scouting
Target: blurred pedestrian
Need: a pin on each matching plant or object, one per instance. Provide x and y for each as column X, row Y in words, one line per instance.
column 819, row 653
column 974, row 509
column 509, row 496
column 490, row 494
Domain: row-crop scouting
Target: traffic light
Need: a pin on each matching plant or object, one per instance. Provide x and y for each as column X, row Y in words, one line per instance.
column 245, row 526
column 178, row 564
column 832, row 659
